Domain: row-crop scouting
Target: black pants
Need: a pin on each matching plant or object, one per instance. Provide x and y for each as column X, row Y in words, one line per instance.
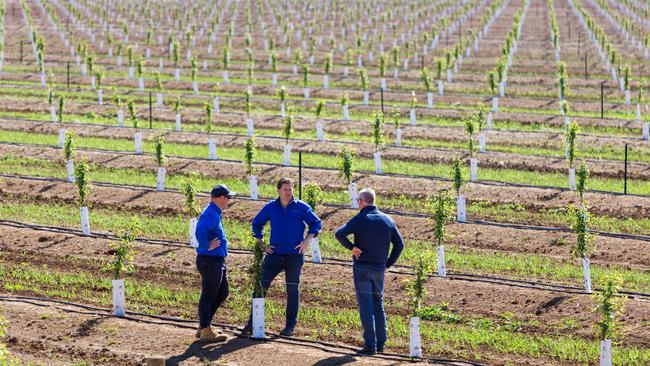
column 214, row 286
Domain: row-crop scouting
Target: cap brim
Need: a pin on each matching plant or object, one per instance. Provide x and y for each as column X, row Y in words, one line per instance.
column 231, row 194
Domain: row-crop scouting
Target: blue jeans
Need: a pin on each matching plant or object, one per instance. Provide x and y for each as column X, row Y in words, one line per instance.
column 214, row 286
column 369, row 288
column 292, row 266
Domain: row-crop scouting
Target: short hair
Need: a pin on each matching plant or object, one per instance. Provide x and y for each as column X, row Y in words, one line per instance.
column 283, row 181
column 368, row 195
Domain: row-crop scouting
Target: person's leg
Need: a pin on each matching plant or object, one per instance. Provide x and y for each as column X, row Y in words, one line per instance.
column 271, row 267
column 210, row 282
column 292, row 269
column 378, row 308
column 222, row 293
column 363, row 290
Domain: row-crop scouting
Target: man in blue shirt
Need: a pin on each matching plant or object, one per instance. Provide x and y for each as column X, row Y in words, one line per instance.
column 211, row 254
column 287, row 245
column 373, row 231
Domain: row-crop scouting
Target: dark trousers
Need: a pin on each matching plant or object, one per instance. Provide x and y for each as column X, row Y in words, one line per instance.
column 214, row 286
column 292, row 266
column 369, row 288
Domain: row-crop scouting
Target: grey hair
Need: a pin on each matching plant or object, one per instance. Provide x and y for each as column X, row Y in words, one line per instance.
column 367, row 195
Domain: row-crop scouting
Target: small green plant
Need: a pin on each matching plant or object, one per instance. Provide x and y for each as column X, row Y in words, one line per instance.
column 492, row 82
column 287, row 131
column 376, row 129
column 413, row 101
column 226, row 58
column 134, row 117
column 123, row 256
column 282, row 93
column 441, row 215
column 188, row 188
column 582, row 174
column 160, row 150
column 426, row 79
column 345, row 99
column 250, row 155
column 274, row 62
column 346, row 157
column 470, row 128
column 314, row 196
column 99, row 76
column 626, row 77
column 328, row 63
column 319, row 109
column 416, row 288
column 609, row 306
column 247, row 103
column 177, row 105
column 571, row 143
column 82, row 180
column 363, row 77
column 117, row 99
column 256, row 269
column 564, row 105
column 382, row 65
column 396, row 115
column 439, row 62
column 61, row 105
column 140, row 69
column 305, row 74
column 458, row 176
column 580, row 227
column 208, row 118
column 439, row 312
column 159, row 85
column 68, row 145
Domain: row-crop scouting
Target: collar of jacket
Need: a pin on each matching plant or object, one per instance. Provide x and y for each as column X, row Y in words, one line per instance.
column 216, row 208
column 279, row 201
column 369, row 208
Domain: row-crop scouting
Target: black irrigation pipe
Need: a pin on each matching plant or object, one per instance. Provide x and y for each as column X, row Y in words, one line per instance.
column 624, row 236
column 397, row 269
column 486, row 182
column 185, row 324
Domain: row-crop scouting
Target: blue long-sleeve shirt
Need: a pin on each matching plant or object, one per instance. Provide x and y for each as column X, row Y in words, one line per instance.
column 287, row 224
column 373, row 231
column 208, row 228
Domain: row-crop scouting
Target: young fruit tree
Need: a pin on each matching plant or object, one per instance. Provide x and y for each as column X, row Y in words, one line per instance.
column 417, row 291
column 249, row 158
column 68, row 152
column 282, row 93
column 461, row 212
column 122, row 263
column 188, row 188
column 581, row 218
column 396, row 124
column 363, row 78
column 82, row 180
column 320, row 134
column 583, row 175
column 570, row 141
column 255, row 272
column 441, row 215
column 212, row 144
column 160, row 161
column 137, row 136
column 346, row 170
column 287, row 131
column 610, row 308
column 344, row 106
column 470, row 128
column 412, row 105
column 314, row 197
column 250, row 128
column 378, row 139
column 426, row 79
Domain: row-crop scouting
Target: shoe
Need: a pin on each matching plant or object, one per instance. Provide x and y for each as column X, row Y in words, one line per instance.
column 366, row 352
column 286, row 332
column 380, row 349
column 248, row 329
column 208, row 336
column 198, row 332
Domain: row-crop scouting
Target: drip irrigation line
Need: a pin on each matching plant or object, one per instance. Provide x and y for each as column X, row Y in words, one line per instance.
column 184, row 323
column 495, row 154
column 624, row 236
column 484, row 182
column 397, row 269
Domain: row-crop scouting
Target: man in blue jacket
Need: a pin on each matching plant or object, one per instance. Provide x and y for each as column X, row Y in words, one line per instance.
column 373, row 231
column 287, row 245
column 210, row 258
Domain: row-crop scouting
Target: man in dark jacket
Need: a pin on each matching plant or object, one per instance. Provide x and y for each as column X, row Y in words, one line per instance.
column 210, row 262
column 287, row 245
column 373, row 231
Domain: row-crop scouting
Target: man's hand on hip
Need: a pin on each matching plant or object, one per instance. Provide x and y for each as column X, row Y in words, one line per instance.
column 356, row 252
column 214, row 244
column 302, row 247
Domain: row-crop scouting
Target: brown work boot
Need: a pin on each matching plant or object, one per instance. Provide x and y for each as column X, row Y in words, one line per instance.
column 198, row 331
column 208, row 336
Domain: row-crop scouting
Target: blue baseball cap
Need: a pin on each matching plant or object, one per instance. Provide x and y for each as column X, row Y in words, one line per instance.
column 222, row 190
